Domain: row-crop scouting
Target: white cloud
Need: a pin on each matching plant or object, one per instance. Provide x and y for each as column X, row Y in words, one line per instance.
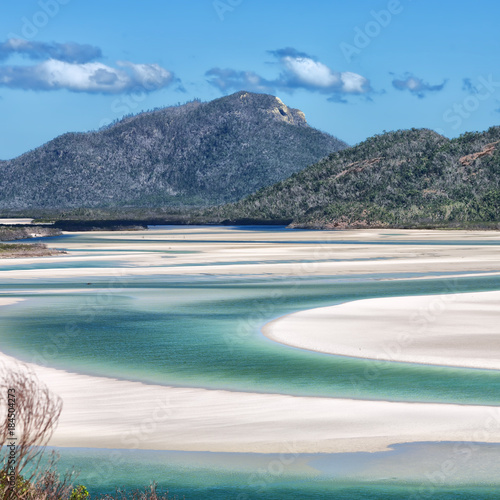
column 78, row 77
column 93, row 77
column 307, row 73
column 73, row 66
column 16, row 44
column 416, row 85
column 311, row 72
column 300, row 71
column 354, row 83
column 230, row 79
column 69, row 52
column 150, row 76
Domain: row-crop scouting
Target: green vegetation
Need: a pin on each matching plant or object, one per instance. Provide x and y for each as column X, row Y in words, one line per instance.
column 8, row 250
column 32, row 414
column 243, row 159
column 50, row 486
column 11, row 233
column 79, row 493
column 409, row 178
column 21, row 232
column 197, row 154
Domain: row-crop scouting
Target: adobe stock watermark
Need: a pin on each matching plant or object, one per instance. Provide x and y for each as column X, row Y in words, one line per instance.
column 128, row 103
column 460, row 457
column 31, row 25
column 460, row 111
column 222, row 7
column 58, row 342
column 274, row 472
column 136, row 437
column 418, row 323
column 363, row 36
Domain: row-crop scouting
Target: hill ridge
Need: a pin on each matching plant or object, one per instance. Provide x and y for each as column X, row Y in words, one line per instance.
column 196, row 154
column 405, row 178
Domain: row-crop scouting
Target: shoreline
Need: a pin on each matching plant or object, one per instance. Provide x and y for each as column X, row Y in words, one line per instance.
column 438, row 330
column 248, row 252
column 108, row 413
column 115, row 414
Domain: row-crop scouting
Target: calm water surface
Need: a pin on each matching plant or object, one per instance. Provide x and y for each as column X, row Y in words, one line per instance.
column 205, row 332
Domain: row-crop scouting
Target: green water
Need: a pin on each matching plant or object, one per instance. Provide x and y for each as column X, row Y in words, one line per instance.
column 207, row 334
column 62, row 263
column 179, row 236
column 204, row 331
column 394, row 474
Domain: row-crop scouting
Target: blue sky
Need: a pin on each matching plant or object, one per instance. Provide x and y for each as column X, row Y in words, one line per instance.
column 356, row 68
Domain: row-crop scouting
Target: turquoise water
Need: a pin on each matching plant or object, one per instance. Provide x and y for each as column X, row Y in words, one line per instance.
column 207, row 334
column 204, row 331
column 61, row 263
column 399, row 473
column 274, row 261
column 323, row 238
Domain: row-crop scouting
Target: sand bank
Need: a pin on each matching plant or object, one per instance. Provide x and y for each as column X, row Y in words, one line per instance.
column 17, row 221
column 107, row 413
column 453, row 330
column 225, row 251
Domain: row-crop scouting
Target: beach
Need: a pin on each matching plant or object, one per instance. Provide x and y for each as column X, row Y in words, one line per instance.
column 460, row 330
column 290, row 253
column 105, row 413
column 453, row 329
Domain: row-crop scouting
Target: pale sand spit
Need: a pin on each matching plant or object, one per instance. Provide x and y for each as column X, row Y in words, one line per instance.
column 459, row 329
column 15, row 221
column 107, row 413
column 222, row 251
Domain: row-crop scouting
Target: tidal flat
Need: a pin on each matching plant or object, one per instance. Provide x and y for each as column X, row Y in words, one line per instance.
column 155, row 341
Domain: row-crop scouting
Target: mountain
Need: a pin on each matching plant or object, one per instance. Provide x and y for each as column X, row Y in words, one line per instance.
column 408, row 178
column 194, row 154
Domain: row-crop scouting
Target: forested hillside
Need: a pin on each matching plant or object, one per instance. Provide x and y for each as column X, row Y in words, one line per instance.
column 197, row 154
column 408, row 178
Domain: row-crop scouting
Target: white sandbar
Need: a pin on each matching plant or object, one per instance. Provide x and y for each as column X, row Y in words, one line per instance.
column 254, row 252
column 453, row 330
column 107, row 413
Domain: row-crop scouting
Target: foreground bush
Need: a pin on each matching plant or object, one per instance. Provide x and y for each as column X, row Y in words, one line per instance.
column 28, row 417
